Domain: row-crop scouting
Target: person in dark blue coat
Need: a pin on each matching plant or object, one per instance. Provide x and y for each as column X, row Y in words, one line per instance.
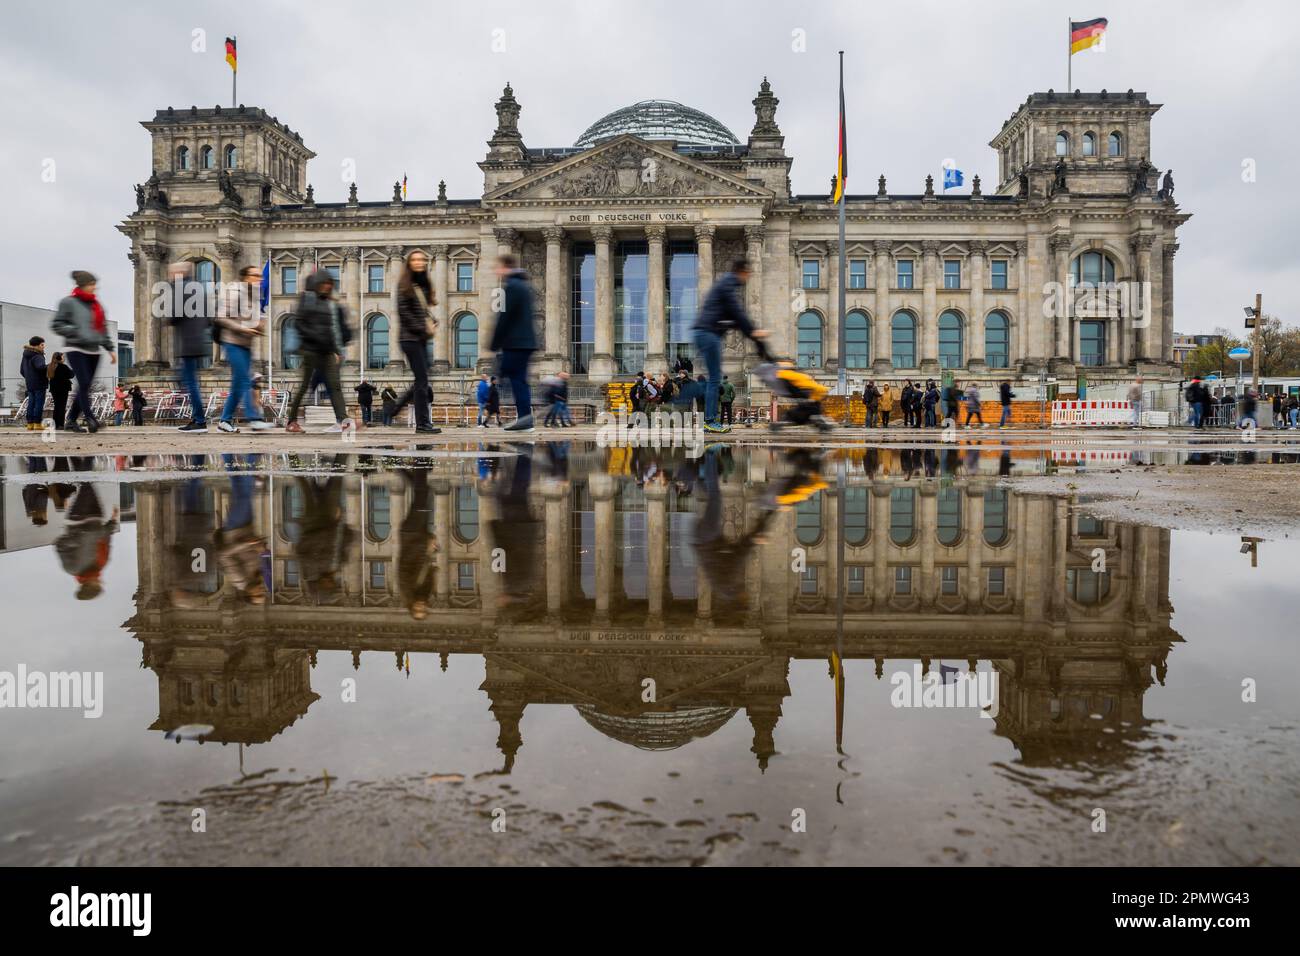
column 723, row 311
column 515, row 339
column 33, row 368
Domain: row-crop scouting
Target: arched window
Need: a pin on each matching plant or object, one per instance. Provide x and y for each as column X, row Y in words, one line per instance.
column 857, row 340
column 232, row 156
column 207, row 160
column 1062, row 144
column 902, row 334
column 1114, row 145
column 808, row 520
column 206, row 271
column 377, row 341
column 466, row 331
column 950, row 340
column 292, row 508
column 857, row 516
column 1092, row 268
column 995, row 517
column 809, row 353
column 379, row 517
column 902, row 515
column 290, row 357
column 1090, row 144
column 997, row 340
column 183, row 158
column 948, row 530
column 465, row 525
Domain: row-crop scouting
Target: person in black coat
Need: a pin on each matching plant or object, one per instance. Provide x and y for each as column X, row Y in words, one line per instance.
column 722, row 311
column 514, row 338
column 61, row 378
column 32, row 370
column 137, row 405
column 365, row 399
column 415, row 301
column 189, row 308
column 323, row 334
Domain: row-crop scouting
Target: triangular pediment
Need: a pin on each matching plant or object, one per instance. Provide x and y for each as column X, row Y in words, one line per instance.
column 626, row 168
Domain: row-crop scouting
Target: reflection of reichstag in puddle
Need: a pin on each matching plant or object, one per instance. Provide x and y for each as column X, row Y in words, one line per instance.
column 946, row 688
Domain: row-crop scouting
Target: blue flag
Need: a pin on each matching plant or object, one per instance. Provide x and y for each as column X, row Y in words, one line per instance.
column 951, row 177
column 266, row 285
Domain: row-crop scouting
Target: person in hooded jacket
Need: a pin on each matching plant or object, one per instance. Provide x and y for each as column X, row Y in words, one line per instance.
column 415, row 301
column 323, row 334
column 32, row 370
column 514, row 338
column 80, row 319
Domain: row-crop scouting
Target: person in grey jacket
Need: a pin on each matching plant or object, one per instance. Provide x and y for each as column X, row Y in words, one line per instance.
column 81, row 321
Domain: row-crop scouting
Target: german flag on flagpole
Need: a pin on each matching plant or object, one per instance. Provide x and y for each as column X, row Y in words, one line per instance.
column 842, row 161
column 403, row 185
column 1086, row 34
column 231, row 58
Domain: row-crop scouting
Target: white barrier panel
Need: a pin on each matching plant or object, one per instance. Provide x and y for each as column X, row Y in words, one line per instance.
column 1092, row 413
column 1063, row 456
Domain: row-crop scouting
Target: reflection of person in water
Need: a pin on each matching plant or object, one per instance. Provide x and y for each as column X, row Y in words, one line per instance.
column 723, row 561
column 416, row 547
column 83, row 547
column 518, row 535
column 194, row 579
column 239, row 548
column 325, row 536
column 36, row 497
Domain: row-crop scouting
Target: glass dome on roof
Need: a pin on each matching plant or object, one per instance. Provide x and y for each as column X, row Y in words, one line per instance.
column 659, row 119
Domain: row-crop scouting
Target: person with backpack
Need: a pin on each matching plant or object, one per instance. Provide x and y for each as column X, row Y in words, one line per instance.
column 727, row 396
column 239, row 321
column 80, row 319
column 365, row 400
column 137, row 406
column 481, row 398
column 387, row 402
column 32, row 368
column 929, row 399
column 323, row 333
column 494, row 400
column 1005, row 395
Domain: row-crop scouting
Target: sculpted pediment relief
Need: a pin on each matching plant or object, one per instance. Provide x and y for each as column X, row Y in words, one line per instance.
column 627, row 168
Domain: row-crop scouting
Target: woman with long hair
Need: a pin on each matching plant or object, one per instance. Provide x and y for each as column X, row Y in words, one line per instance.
column 416, row 325
column 81, row 321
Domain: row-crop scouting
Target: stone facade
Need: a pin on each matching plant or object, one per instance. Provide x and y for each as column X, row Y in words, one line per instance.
column 934, row 281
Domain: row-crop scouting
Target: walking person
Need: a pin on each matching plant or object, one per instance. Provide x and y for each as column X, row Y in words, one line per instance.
column 723, row 311
column 1293, row 410
column 888, row 402
column 387, row 402
column 323, row 333
column 239, row 321
column 1249, row 409
column 973, row 405
column 871, row 399
column 493, row 402
column 119, row 403
column 514, row 338
column 60, row 378
column 480, row 398
column 929, row 399
column 189, row 313
column 557, row 392
column 81, row 321
column 728, row 397
column 1135, row 401
column 83, row 548
column 415, row 301
column 1005, row 395
column 1192, row 395
column 365, row 400
column 137, row 406
column 35, row 377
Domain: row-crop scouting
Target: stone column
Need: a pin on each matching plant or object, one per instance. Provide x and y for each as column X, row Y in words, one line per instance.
column 1147, row 334
column 831, row 342
column 394, row 272
column 975, row 357
column 929, row 308
column 656, row 330
column 1023, row 323
column 972, row 504
column 1166, row 355
column 556, row 314
column 148, row 325
column 441, row 337
column 557, row 544
column 1060, row 246
column 879, row 544
column 602, row 493
column 704, row 259
column 353, row 282
column 227, row 259
column 881, row 340
column 602, row 365
column 507, row 245
column 927, row 525
column 656, row 552
column 442, row 528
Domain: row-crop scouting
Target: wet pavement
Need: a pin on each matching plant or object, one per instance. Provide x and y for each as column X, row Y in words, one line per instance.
column 554, row 653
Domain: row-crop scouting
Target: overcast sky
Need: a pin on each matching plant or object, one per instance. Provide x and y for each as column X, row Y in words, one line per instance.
column 409, row 87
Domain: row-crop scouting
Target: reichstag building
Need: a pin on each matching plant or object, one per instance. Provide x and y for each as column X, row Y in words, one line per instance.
column 624, row 231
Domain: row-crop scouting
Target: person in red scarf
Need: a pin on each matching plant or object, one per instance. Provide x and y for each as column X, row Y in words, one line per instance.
column 81, row 321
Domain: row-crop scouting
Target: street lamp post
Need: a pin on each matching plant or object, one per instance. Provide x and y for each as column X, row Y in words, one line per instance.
column 1257, row 315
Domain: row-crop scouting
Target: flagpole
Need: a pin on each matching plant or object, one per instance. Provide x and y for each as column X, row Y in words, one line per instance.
column 842, row 338
column 1069, row 56
column 234, row 76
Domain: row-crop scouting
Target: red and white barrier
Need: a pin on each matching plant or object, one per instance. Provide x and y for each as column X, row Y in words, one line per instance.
column 1091, row 413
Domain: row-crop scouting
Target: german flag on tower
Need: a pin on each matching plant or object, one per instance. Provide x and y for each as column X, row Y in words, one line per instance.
column 1086, row 34
column 842, row 163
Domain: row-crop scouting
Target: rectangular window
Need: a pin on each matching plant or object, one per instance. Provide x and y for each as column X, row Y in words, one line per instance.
column 631, row 304
column 681, row 279
column 1087, row 526
column 905, row 273
column 997, row 581
column 952, row 273
column 857, row 579
column 857, row 273
column 375, row 281
column 465, row 575
column 1092, row 343
column 291, row 573
column 377, row 574
column 464, row 277
column 333, row 273
column 289, row 280
column 582, row 306
column 808, row 580
column 812, row 274
column 998, row 274
column 903, row 580
column 948, row 579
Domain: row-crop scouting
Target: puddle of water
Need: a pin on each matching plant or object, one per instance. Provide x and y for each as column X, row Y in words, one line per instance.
column 757, row 655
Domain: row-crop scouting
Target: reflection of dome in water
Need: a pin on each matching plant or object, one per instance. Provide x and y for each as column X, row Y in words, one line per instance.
column 658, row 731
column 659, row 119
